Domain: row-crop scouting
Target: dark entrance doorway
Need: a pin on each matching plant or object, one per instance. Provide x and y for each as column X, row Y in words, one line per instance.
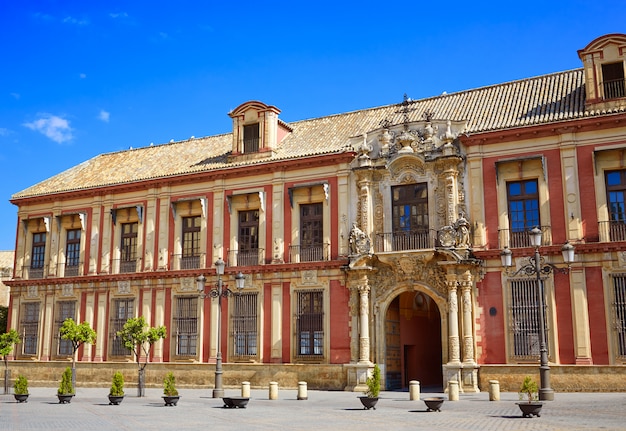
column 413, row 338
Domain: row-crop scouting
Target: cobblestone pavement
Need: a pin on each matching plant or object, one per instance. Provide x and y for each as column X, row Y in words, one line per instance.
column 323, row 410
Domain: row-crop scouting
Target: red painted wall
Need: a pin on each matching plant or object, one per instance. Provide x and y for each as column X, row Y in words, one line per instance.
column 589, row 213
column 597, row 316
column 492, row 328
column 565, row 325
column 339, row 323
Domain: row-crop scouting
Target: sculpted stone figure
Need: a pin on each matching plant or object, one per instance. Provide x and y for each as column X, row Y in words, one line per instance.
column 359, row 241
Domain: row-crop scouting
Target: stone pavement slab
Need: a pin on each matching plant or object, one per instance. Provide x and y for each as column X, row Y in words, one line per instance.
column 323, row 410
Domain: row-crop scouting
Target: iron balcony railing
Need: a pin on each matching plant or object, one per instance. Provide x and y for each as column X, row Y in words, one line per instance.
column 250, row 257
column 614, row 89
column 34, row 272
column 121, row 266
column 612, row 231
column 405, row 240
column 310, row 253
column 521, row 238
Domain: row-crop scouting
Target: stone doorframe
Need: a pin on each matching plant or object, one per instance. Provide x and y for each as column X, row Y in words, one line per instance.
column 373, row 287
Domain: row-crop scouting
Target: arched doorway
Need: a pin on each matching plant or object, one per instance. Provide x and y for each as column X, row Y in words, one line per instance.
column 413, row 342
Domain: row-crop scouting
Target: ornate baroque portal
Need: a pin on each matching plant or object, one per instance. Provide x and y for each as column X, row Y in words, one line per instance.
column 411, row 236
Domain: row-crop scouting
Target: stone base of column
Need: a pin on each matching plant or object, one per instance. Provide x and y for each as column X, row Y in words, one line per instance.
column 357, row 375
column 466, row 373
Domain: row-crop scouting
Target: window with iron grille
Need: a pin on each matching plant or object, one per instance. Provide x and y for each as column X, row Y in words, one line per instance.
column 310, row 323
column 251, row 138
column 248, row 253
column 523, row 203
column 186, row 325
column 122, row 310
column 618, row 306
column 613, row 80
column 39, row 250
column 30, row 328
column 65, row 309
column 524, row 323
column 244, row 324
column 128, row 249
column 311, row 232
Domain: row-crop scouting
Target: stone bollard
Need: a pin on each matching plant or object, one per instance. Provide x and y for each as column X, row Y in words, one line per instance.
column 453, row 390
column 302, row 393
column 494, row 390
column 273, row 390
column 414, row 390
column 245, row 389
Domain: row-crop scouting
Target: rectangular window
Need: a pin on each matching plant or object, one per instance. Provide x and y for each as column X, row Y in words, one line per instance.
column 613, row 80
column 524, row 323
column 30, row 328
column 251, row 138
column 128, row 249
column 523, row 203
column 310, row 323
column 618, row 306
column 186, row 325
column 248, row 239
column 244, row 324
column 72, row 252
column 410, row 217
column 38, row 255
column 65, row 309
column 311, row 232
column 122, row 310
column 191, row 243
column 616, row 202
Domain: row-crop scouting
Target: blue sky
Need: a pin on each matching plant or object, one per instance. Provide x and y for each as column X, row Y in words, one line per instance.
column 82, row 78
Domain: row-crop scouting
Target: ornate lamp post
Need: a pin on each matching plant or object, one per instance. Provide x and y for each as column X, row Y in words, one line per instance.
column 538, row 267
column 219, row 291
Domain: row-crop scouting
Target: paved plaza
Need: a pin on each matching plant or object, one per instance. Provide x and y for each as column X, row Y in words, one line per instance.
column 323, row 410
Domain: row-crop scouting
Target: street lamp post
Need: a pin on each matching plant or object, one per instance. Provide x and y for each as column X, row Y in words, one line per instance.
column 219, row 291
column 537, row 266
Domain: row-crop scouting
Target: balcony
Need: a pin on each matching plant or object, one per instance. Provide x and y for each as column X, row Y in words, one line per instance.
column 121, row 266
column 521, row 238
column 614, row 89
column 180, row 262
column 612, row 231
column 311, row 253
column 405, row 240
column 250, row 257
column 35, row 272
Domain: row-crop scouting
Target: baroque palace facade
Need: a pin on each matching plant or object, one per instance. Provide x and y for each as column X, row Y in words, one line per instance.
column 372, row 236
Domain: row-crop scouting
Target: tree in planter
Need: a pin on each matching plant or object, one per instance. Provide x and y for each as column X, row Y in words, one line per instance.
column 77, row 335
column 170, row 393
column 66, row 389
column 20, row 389
column 116, row 393
column 373, row 383
column 7, row 341
column 138, row 337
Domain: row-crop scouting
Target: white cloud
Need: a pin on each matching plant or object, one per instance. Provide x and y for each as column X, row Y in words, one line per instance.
column 4, row 132
column 82, row 76
column 56, row 128
column 104, row 115
column 75, row 21
column 118, row 15
column 16, row 96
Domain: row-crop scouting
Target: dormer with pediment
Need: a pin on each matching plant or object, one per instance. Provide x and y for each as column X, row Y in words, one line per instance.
column 257, row 131
column 604, row 62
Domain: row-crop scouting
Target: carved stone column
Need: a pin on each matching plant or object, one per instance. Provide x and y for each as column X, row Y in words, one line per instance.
column 364, row 335
column 470, row 369
column 452, row 370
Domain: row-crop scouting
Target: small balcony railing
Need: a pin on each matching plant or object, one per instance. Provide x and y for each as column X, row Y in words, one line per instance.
column 614, row 89
column 521, row 238
column 310, row 253
column 180, row 262
column 612, row 231
column 250, row 257
column 35, row 272
column 405, row 240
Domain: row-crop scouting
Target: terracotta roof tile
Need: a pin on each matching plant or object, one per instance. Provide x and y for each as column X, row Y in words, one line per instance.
column 532, row 101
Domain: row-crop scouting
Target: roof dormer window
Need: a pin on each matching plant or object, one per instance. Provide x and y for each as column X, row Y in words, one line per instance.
column 613, row 80
column 251, row 138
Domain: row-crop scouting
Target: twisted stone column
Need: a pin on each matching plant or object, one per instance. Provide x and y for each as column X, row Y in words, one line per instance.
column 364, row 335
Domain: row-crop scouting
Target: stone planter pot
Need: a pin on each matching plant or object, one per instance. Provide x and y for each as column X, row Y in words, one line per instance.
column 171, row 400
column 235, row 402
column 433, row 404
column 115, row 400
column 65, row 398
column 530, row 409
column 369, row 402
column 21, row 398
